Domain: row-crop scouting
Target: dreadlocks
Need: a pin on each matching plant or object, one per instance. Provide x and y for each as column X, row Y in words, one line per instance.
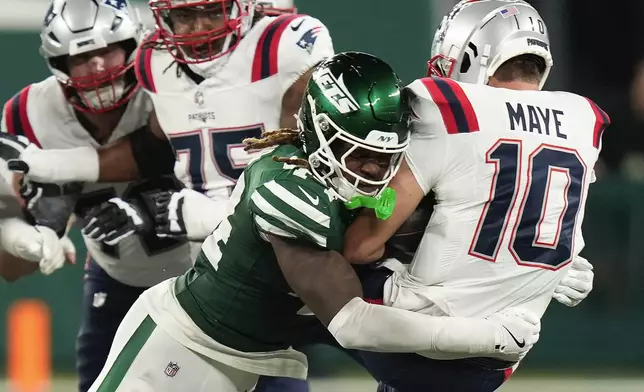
column 275, row 138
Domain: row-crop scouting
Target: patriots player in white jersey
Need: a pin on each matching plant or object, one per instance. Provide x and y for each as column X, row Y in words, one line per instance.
column 93, row 99
column 218, row 72
column 510, row 167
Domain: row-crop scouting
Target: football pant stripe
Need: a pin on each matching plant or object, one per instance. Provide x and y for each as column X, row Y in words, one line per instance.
column 300, row 205
column 127, row 356
column 289, row 224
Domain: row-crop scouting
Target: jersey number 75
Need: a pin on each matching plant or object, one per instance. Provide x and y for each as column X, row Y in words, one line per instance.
column 226, row 157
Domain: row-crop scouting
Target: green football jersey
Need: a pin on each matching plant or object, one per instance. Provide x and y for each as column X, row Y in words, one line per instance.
column 236, row 292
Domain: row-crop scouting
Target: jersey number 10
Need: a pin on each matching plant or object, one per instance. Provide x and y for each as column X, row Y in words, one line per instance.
column 525, row 243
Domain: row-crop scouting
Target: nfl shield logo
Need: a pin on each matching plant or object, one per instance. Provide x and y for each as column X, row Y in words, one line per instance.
column 172, row 369
column 99, row 299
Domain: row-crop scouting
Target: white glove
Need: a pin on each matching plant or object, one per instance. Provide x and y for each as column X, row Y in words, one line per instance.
column 38, row 244
column 575, row 286
column 518, row 331
column 57, row 166
column 55, row 251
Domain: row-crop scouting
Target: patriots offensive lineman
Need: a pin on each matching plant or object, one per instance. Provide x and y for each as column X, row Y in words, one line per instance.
column 510, row 166
column 240, row 310
column 218, row 71
column 93, row 99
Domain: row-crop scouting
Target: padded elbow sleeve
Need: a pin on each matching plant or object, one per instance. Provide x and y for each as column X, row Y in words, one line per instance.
column 154, row 157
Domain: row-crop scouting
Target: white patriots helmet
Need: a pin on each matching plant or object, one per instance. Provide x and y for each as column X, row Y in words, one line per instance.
column 478, row 36
column 277, row 7
column 74, row 27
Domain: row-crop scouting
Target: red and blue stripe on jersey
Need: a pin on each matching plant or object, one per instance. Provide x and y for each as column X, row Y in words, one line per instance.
column 455, row 108
column 601, row 122
column 265, row 61
column 143, row 64
column 16, row 118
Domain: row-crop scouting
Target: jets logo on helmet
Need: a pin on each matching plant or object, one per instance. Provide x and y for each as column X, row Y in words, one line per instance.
column 335, row 91
column 353, row 104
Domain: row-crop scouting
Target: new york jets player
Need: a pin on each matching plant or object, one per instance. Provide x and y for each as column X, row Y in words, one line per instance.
column 510, row 166
column 237, row 313
column 93, row 99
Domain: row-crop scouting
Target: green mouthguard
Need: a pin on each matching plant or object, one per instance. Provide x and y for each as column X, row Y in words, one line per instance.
column 383, row 205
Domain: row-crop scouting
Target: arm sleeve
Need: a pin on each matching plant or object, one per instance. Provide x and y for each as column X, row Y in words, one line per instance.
column 292, row 209
column 428, row 146
column 302, row 49
column 363, row 326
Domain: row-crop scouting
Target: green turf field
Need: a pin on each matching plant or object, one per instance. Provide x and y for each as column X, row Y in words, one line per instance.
column 519, row 384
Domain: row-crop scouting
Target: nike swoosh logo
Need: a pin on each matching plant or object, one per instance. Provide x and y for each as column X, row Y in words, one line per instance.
column 520, row 344
column 297, row 27
column 315, row 201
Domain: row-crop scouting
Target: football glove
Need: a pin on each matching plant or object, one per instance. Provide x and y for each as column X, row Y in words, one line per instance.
column 575, row 286
column 114, row 220
column 186, row 214
column 518, row 330
column 38, row 244
column 168, row 214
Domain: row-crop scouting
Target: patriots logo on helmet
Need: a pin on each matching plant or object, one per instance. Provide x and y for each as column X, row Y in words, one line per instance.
column 120, row 5
column 307, row 41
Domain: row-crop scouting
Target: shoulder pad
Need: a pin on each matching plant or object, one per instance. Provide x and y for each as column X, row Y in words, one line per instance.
column 446, row 95
column 16, row 118
column 602, row 121
column 143, row 62
column 294, row 207
column 290, row 45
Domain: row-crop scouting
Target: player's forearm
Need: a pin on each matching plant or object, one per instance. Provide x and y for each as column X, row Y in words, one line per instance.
column 201, row 215
column 13, row 268
column 117, row 163
column 364, row 326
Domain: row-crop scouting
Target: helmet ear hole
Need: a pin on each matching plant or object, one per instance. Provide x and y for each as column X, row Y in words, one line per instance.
column 465, row 63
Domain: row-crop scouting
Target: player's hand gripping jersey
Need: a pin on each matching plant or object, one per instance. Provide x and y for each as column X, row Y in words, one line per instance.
column 207, row 119
column 511, row 171
column 42, row 114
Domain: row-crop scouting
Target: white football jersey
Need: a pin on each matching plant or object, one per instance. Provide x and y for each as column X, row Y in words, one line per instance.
column 207, row 120
column 511, row 171
column 41, row 113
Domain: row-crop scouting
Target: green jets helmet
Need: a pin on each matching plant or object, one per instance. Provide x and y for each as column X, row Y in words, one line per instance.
column 355, row 98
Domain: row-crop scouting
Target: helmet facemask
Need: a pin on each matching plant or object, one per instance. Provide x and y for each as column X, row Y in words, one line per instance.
column 329, row 161
column 99, row 92
column 226, row 22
